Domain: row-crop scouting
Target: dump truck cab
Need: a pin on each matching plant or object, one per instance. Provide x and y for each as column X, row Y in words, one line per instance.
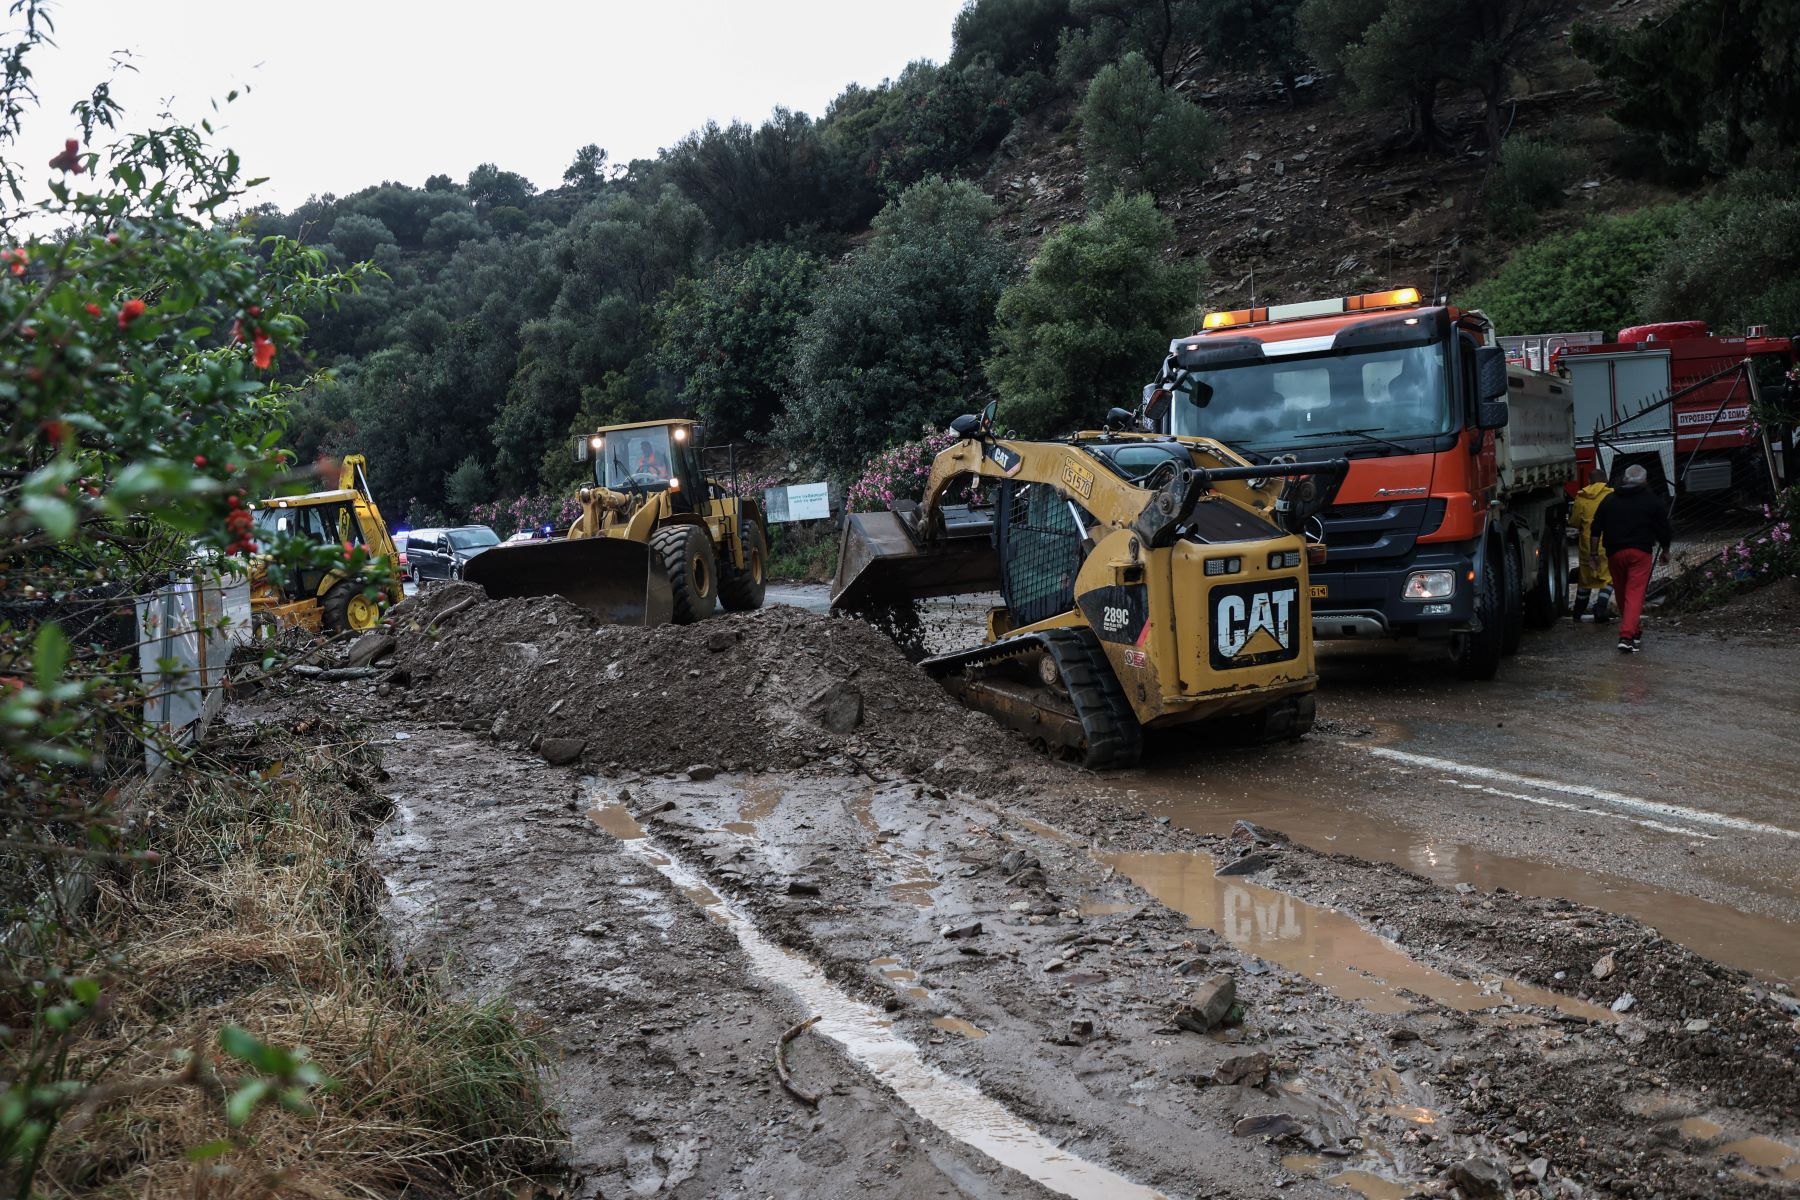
column 325, row 598
column 1448, row 525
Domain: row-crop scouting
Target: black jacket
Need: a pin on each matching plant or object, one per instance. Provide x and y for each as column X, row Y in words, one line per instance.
column 1632, row 519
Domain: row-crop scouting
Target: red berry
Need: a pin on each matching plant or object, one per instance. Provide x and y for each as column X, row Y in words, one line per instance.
column 254, row 311
column 199, row 460
column 231, row 501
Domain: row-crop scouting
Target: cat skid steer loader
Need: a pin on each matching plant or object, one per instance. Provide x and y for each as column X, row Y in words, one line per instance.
column 658, row 540
column 1147, row 580
column 318, row 598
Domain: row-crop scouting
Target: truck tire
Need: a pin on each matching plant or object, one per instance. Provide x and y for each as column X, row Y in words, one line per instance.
column 743, row 590
column 345, row 609
column 687, row 554
column 1549, row 599
column 1476, row 653
column 1512, row 619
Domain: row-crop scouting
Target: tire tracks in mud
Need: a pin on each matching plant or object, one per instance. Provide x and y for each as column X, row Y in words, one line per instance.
column 662, row 1036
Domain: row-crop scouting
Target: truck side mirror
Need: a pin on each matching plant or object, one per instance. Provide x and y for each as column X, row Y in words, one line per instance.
column 1490, row 372
column 1490, row 387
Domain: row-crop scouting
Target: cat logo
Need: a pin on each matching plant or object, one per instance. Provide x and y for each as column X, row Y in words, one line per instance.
column 1255, row 623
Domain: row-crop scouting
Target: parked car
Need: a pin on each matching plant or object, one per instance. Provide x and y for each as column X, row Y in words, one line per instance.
column 441, row 553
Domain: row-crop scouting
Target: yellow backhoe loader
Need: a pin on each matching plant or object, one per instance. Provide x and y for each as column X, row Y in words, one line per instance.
column 1147, row 581
column 658, row 540
column 315, row 597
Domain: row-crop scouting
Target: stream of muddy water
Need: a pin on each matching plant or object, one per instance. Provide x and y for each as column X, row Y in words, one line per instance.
column 868, row 1037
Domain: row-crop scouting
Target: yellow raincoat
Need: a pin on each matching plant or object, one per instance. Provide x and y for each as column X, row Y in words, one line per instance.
column 1587, row 500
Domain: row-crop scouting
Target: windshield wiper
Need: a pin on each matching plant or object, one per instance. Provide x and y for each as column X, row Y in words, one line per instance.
column 1367, row 435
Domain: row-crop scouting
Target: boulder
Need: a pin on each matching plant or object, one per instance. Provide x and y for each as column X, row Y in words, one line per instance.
column 559, row 751
column 838, row 708
column 1209, row 1006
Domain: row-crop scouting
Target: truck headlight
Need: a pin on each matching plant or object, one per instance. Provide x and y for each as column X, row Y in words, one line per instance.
column 1429, row 585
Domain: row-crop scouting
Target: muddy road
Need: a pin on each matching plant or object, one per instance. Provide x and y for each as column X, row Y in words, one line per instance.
column 1664, row 785
column 1458, row 943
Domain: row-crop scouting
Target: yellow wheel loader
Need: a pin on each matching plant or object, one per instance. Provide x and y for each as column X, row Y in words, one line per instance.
column 658, row 540
column 320, row 598
column 1147, row 581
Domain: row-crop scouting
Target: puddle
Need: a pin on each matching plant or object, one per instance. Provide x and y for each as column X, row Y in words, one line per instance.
column 955, row 1107
column 758, row 803
column 1763, row 945
column 1766, row 1152
column 1320, row 943
column 1700, row 1129
column 741, row 828
column 958, row 1025
column 1372, row 1186
column 617, row 820
column 904, row 979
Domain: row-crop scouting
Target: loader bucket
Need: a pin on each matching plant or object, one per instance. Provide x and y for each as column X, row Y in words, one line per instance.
column 879, row 564
column 619, row 581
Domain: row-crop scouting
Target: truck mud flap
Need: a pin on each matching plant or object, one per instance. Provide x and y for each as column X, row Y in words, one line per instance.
column 621, row 582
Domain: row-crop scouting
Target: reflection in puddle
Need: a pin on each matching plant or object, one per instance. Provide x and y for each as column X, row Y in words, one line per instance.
column 1320, row 943
column 959, row 1109
column 1763, row 945
column 958, row 1025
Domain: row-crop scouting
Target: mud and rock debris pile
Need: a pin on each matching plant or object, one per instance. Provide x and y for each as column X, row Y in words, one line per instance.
column 778, row 688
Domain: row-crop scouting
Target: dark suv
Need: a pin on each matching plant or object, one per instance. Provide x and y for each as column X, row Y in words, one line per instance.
column 441, row 553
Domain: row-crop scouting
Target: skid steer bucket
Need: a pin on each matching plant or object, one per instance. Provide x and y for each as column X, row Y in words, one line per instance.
column 619, row 581
column 880, row 564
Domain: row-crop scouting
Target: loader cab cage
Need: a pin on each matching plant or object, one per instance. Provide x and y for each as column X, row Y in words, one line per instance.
column 1040, row 548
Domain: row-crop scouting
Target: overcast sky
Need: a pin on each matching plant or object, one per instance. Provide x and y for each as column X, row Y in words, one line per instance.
column 346, row 94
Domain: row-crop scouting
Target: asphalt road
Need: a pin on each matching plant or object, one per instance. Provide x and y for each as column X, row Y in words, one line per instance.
column 1664, row 785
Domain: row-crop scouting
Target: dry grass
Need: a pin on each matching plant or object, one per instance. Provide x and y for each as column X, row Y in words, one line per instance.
column 262, row 914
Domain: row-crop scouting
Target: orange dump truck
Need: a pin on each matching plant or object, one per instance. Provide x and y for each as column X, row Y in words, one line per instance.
column 1450, row 524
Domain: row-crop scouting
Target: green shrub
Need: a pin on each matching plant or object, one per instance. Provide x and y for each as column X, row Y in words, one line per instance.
column 1588, row 278
column 1529, row 179
column 1138, row 136
column 1093, row 319
column 1735, row 260
column 897, row 335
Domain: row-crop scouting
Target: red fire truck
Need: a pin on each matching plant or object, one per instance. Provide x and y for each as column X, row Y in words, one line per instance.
column 1702, row 440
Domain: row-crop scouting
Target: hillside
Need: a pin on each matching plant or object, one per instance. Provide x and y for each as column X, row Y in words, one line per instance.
column 828, row 286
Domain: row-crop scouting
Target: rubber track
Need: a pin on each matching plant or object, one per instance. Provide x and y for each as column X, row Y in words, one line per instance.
column 1109, row 727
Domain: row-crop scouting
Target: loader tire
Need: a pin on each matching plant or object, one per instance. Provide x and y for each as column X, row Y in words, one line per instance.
column 743, row 590
column 345, row 609
column 1114, row 737
column 693, row 569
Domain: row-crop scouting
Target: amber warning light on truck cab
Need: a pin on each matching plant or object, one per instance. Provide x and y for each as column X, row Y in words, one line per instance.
column 1367, row 302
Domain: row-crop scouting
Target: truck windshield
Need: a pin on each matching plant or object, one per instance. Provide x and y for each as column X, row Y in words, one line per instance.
column 636, row 456
column 1269, row 404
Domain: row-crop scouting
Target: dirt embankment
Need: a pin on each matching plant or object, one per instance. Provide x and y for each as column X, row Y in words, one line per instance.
column 773, row 689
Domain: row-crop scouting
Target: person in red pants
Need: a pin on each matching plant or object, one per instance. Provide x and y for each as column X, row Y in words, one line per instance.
column 1633, row 525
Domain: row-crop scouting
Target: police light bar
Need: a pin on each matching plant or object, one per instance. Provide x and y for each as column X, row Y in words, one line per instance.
column 1367, row 302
